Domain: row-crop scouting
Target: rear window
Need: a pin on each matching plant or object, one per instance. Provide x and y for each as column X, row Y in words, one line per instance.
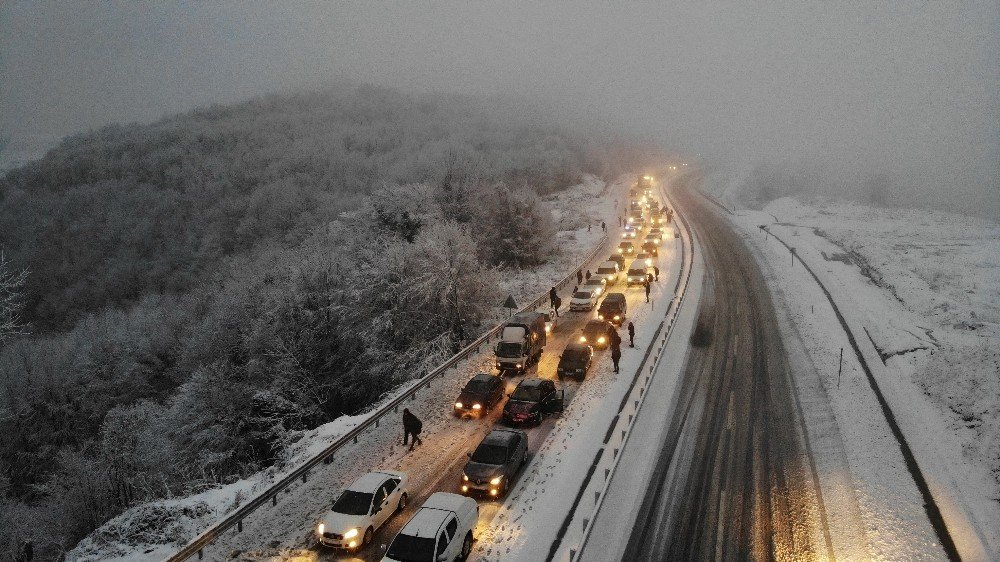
column 412, row 549
column 581, row 295
column 635, row 272
column 606, row 270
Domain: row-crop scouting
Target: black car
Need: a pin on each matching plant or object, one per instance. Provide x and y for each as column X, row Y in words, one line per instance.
column 650, row 248
column 495, row 462
column 614, row 308
column 533, row 399
column 479, row 396
column 575, row 360
column 596, row 333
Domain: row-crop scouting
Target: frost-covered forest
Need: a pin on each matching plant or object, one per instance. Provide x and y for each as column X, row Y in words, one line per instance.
column 200, row 287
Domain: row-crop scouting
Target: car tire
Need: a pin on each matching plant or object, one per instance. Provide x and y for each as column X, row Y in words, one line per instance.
column 524, row 459
column 402, row 502
column 466, row 547
column 367, row 540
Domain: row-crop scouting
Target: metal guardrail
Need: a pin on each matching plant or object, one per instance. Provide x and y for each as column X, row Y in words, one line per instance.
column 621, row 424
column 235, row 519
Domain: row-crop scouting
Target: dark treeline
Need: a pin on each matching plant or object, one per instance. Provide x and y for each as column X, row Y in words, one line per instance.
column 201, row 288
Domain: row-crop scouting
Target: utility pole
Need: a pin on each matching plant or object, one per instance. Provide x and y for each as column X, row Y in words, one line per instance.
column 841, row 368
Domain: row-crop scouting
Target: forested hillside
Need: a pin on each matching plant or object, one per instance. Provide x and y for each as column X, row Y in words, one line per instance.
column 199, row 287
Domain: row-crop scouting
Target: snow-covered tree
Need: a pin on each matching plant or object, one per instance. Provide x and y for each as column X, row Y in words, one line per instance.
column 11, row 284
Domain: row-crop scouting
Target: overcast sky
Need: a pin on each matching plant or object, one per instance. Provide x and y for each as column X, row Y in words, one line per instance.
column 912, row 86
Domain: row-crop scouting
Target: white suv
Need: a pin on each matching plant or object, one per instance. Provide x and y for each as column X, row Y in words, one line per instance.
column 362, row 508
column 440, row 530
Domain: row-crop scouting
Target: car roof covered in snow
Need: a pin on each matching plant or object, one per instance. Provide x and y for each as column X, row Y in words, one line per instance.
column 371, row 481
column 502, row 436
column 428, row 519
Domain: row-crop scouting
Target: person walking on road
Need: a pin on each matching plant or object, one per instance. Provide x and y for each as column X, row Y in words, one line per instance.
column 604, row 227
column 411, row 426
column 575, row 288
column 647, row 290
column 552, row 297
column 657, row 270
column 579, row 277
column 555, row 306
column 588, row 228
column 631, row 334
column 588, row 275
column 616, row 347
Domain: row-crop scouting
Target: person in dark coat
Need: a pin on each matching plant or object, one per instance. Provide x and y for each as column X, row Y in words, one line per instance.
column 555, row 306
column 579, row 277
column 604, row 227
column 411, row 426
column 575, row 288
column 619, row 222
column 552, row 297
column 631, row 334
column 588, row 275
column 647, row 290
column 616, row 355
column 657, row 270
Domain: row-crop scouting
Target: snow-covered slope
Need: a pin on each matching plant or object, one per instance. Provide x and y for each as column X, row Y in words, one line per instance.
column 922, row 291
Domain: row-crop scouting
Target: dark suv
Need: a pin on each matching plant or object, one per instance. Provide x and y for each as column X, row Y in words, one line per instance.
column 480, row 394
column 533, row 399
column 613, row 308
column 575, row 360
column 596, row 333
column 495, row 462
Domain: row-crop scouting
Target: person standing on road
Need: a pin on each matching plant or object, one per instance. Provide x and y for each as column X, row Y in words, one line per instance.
column 552, row 297
column 616, row 355
column 575, row 288
column 588, row 275
column 647, row 290
column 411, row 426
column 619, row 222
column 604, row 227
column 556, row 304
column 588, row 228
column 657, row 270
column 631, row 334
column 616, row 346
column 579, row 277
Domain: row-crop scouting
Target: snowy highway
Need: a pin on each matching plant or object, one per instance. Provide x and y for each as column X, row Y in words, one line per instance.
column 732, row 480
column 287, row 530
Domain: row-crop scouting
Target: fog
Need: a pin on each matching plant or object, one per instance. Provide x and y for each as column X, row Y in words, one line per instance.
column 844, row 91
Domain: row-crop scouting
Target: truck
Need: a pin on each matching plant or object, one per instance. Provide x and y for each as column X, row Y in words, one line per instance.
column 440, row 530
column 521, row 341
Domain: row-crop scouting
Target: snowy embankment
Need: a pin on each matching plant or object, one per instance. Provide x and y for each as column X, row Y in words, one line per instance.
column 154, row 530
column 920, row 290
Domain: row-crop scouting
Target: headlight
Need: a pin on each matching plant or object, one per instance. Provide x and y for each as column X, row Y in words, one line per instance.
column 458, row 404
column 601, row 339
column 518, row 366
column 496, row 480
column 617, row 317
column 476, row 406
column 465, row 478
column 600, row 317
column 351, row 534
column 619, row 250
column 321, row 528
column 583, row 339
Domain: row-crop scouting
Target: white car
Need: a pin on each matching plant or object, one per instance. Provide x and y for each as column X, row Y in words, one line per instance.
column 595, row 285
column 644, row 258
column 630, row 231
column 441, row 530
column 362, row 508
column 584, row 299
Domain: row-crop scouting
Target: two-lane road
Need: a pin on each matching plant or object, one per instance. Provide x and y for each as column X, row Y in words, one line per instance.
column 732, row 479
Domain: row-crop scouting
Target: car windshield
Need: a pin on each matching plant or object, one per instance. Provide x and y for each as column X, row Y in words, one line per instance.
column 478, row 386
column 508, row 349
column 411, row 549
column 490, row 454
column 574, row 355
column 606, row 270
column 636, row 272
column 527, row 393
column 353, row 503
column 581, row 295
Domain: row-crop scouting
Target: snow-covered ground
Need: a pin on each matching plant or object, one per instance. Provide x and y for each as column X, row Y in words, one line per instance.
column 921, row 291
column 154, row 530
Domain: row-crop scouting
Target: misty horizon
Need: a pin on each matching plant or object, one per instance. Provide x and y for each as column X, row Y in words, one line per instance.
column 844, row 93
